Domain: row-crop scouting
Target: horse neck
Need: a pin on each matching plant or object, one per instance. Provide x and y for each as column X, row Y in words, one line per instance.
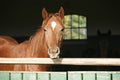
column 38, row 47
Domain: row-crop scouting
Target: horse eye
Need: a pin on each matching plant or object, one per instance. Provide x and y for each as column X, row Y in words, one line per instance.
column 45, row 29
column 62, row 29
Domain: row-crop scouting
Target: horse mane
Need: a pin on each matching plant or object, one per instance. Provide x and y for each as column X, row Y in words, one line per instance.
column 36, row 42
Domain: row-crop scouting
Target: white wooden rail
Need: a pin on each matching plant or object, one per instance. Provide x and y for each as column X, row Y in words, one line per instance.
column 63, row 61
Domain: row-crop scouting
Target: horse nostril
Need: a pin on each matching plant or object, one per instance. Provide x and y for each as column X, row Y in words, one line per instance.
column 55, row 50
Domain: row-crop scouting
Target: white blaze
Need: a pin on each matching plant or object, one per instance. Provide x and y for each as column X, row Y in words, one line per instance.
column 53, row 24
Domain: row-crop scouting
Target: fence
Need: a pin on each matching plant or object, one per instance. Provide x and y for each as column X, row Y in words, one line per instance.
column 59, row 75
column 63, row 61
column 78, row 75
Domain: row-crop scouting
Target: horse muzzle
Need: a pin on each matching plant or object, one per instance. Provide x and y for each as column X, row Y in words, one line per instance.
column 54, row 52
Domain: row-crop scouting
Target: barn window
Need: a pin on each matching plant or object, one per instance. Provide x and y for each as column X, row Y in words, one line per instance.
column 75, row 27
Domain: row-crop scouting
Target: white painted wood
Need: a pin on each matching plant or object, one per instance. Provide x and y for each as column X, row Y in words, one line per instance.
column 63, row 61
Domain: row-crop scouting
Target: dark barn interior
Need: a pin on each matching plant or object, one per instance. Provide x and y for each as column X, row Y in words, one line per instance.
column 21, row 18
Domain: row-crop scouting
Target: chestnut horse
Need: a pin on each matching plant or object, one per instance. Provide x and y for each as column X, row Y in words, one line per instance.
column 44, row 43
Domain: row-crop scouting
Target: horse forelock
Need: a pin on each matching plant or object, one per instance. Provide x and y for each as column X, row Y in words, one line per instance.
column 56, row 16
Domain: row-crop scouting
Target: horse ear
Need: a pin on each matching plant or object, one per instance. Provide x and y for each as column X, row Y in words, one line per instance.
column 61, row 12
column 44, row 13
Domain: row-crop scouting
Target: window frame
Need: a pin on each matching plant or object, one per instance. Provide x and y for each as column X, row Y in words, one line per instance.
column 78, row 28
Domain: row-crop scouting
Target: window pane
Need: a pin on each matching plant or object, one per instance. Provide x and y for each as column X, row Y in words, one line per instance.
column 82, row 21
column 67, row 21
column 67, row 34
column 75, row 20
column 75, row 34
column 83, row 33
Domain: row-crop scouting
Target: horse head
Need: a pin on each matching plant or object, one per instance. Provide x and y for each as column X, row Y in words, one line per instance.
column 53, row 27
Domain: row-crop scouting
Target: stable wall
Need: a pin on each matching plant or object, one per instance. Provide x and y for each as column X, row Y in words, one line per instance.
column 22, row 18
